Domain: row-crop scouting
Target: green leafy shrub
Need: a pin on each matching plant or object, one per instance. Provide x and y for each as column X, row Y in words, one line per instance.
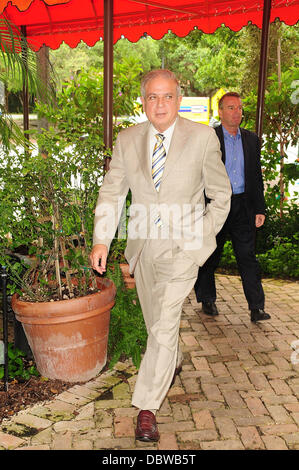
column 18, row 366
column 48, row 194
column 276, row 228
column 282, row 260
column 228, row 260
column 128, row 335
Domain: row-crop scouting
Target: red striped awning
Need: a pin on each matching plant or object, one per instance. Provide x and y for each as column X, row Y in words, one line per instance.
column 50, row 22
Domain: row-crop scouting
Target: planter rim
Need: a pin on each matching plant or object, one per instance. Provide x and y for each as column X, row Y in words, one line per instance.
column 55, row 320
column 61, row 308
column 104, row 281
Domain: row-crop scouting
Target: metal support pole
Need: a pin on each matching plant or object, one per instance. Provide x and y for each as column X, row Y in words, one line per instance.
column 263, row 68
column 5, row 325
column 108, row 77
column 25, row 85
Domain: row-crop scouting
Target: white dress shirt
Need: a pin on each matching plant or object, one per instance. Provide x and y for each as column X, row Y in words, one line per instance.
column 166, row 142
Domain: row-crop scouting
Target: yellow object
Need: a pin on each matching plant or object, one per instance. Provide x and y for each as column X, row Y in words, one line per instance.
column 214, row 101
column 195, row 108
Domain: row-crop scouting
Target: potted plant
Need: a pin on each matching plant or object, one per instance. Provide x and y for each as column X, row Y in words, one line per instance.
column 63, row 306
column 48, row 201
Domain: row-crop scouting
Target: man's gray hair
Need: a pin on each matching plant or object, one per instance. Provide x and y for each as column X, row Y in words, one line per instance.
column 164, row 73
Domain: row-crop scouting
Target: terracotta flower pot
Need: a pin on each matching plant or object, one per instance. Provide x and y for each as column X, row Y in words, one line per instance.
column 127, row 277
column 69, row 338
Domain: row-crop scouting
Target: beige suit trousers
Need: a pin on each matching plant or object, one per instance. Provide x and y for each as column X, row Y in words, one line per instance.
column 164, row 277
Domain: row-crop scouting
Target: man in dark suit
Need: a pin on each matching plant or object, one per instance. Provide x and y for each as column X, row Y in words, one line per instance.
column 241, row 156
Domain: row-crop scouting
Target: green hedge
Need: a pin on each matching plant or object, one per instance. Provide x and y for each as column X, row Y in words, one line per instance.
column 281, row 261
column 127, row 335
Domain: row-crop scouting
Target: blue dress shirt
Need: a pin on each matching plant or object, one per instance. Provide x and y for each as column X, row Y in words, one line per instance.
column 234, row 160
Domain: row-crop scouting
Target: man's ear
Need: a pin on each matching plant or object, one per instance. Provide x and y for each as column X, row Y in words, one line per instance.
column 143, row 103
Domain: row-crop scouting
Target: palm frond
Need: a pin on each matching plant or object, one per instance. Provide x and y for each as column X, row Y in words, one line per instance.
column 19, row 62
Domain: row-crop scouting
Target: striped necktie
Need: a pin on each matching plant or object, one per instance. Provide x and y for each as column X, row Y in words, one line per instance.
column 158, row 161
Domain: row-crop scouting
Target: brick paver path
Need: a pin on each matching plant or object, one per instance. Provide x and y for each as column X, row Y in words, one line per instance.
column 238, row 389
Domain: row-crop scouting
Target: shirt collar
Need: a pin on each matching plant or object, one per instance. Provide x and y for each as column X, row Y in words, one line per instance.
column 227, row 134
column 167, row 133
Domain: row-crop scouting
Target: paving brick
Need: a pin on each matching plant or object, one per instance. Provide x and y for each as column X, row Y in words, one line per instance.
column 189, row 340
column 32, row 421
column 177, row 426
column 103, row 419
column 233, row 399
column 226, row 427
column 238, row 388
column 293, row 407
column 198, row 436
column 190, row 385
column 43, row 437
column 291, row 439
column 168, row 441
column 295, row 417
column 73, row 399
column 280, row 387
column 124, row 427
column 256, row 406
column 232, row 413
column 279, row 429
column 86, row 412
column 212, row 392
column 10, row 442
column 203, row 420
column 62, row 441
column 274, row 443
column 81, row 425
column 181, row 412
column 38, row 447
column 121, row 392
column 84, row 391
column 273, row 399
column 125, row 443
column 110, row 404
column 264, row 420
column 200, row 363
column 250, row 438
column 82, row 444
column 229, row 444
column 219, row 369
column 279, row 414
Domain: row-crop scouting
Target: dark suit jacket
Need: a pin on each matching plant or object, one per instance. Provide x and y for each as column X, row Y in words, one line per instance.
column 254, row 188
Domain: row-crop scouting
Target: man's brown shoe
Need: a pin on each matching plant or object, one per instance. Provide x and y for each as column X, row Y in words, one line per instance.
column 147, row 429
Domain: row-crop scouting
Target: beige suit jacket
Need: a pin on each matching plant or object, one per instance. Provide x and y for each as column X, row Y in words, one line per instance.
column 193, row 167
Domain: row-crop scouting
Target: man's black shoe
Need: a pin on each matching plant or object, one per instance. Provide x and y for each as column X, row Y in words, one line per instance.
column 258, row 314
column 177, row 371
column 209, row 308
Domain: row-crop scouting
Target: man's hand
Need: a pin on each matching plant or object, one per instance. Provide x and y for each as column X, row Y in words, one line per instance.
column 259, row 220
column 99, row 253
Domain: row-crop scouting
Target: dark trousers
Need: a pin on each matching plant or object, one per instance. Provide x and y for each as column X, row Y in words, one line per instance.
column 240, row 226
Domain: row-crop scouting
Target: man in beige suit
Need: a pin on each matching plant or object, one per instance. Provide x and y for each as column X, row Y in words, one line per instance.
column 168, row 163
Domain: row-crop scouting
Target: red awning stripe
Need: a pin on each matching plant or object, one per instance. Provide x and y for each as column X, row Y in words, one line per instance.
column 23, row 5
column 51, row 22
